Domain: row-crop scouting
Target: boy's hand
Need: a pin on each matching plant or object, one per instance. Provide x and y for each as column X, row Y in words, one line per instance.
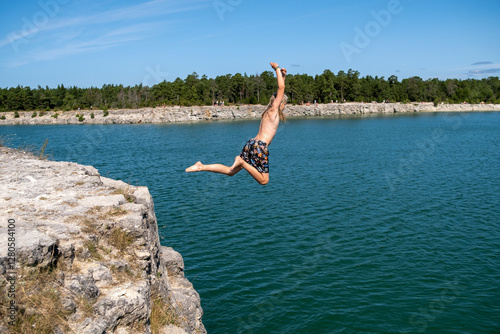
column 283, row 72
column 274, row 65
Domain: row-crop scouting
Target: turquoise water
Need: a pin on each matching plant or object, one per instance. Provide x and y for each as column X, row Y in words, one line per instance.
column 369, row 224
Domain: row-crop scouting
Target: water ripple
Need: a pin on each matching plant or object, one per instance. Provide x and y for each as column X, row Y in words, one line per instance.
column 353, row 234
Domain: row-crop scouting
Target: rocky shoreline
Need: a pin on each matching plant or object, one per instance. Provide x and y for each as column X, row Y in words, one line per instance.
column 80, row 253
column 174, row 114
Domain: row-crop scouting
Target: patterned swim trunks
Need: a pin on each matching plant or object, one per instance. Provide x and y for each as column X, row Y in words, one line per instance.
column 255, row 153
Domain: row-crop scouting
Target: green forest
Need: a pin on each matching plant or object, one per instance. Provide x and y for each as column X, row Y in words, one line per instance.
column 254, row 89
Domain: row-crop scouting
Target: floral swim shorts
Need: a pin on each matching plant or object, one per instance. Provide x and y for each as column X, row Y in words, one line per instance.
column 255, row 153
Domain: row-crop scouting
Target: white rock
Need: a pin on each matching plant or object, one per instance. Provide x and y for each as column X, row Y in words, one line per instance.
column 56, row 225
column 106, row 201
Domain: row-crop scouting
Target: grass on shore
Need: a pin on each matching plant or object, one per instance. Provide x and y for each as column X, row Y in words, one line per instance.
column 4, row 140
column 162, row 314
column 29, row 149
column 38, row 303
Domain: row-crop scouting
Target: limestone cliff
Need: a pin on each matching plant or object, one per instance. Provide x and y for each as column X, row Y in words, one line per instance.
column 80, row 253
column 211, row 113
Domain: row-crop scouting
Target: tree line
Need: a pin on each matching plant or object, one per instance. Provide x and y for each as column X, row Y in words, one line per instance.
column 254, row 89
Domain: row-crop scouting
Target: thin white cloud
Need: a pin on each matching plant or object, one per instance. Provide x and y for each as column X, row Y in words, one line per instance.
column 485, row 71
column 16, row 63
column 148, row 9
column 84, row 34
column 477, row 69
column 483, row 63
column 109, row 39
column 132, row 13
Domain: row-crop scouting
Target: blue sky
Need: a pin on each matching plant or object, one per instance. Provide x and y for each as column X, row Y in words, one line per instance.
column 91, row 43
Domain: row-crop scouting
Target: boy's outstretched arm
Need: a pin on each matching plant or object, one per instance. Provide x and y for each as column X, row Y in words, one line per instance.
column 280, row 75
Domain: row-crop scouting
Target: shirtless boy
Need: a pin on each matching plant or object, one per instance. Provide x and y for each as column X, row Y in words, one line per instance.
column 254, row 157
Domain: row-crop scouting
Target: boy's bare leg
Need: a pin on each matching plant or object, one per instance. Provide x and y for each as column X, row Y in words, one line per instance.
column 262, row 178
column 239, row 164
column 215, row 168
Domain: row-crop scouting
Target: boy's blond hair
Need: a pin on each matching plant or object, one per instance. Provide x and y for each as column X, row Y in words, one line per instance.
column 281, row 107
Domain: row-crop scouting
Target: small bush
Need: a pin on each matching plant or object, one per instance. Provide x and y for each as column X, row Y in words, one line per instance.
column 33, row 115
column 42, row 150
column 120, row 239
column 126, row 192
column 55, row 115
column 162, row 314
column 47, row 108
column 38, row 300
column 3, row 117
column 92, row 115
column 122, row 274
column 3, row 140
column 105, row 113
column 16, row 114
column 81, row 118
column 92, row 248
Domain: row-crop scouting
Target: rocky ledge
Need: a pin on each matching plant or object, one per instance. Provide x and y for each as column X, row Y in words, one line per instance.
column 80, row 253
column 173, row 114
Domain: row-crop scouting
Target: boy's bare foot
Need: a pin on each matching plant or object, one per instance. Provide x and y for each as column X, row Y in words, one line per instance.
column 195, row 168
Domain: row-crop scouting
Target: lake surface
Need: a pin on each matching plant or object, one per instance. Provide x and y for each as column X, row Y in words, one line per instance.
column 381, row 224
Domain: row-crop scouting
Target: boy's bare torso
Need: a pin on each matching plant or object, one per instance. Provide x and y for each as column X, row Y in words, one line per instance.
column 268, row 127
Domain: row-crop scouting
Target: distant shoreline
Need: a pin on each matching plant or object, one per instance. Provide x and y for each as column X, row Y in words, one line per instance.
column 174, row 114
